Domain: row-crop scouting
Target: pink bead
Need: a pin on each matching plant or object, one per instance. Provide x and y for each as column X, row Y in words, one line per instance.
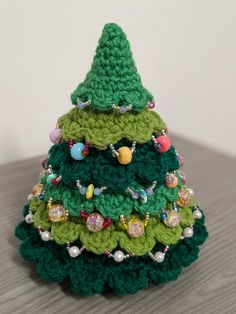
column 182, row 176
column 181, row 160
column 163, row 143
column 151, row 105
column 55, row 135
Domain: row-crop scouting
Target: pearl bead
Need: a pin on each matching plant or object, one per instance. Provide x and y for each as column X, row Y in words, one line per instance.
column 197, row 214
column 188, row 232
column 74, row 251
column 29, row 218
column 119, row 256
column 76, row 151
column 191, row 192
column 29, row 196
column 46, row 236
column 159, row 257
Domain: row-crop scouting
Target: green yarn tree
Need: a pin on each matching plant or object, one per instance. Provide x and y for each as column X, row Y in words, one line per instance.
column 113, row 78
column 112, row 208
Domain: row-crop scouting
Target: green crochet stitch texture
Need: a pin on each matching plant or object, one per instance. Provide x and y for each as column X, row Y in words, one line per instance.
column 111, row 204
column 90, row 274
column 103, row 129
column 109, row 238
column 113, row 78
column 102, row 169
column 112, row 84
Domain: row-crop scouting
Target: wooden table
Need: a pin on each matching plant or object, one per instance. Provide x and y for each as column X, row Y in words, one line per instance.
column 207, row 286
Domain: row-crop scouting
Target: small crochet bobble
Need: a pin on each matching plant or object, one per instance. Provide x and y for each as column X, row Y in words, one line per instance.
column 111, row 196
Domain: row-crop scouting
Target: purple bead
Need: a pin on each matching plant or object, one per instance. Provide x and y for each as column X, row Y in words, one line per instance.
column 55, row 135
column 45, row 164
column 149, row 191
column 181, row 160
column 122, row 109
column 157, row 146
column 135, row 195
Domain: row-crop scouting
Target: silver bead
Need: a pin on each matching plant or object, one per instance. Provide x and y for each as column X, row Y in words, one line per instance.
column 197, row 214
column 191, row 191
column 46, row 236
column 159, row 257
column 29, row 218
column 188, row 232
column 74, row 251
column 119, row 256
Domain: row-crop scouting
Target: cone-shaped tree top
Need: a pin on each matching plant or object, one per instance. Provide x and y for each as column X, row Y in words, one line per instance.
column 113, row 78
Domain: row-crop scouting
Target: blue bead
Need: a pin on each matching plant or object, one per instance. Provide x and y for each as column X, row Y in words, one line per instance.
column 81, row 105
column 83, row 190
column 41, row 197
column 76, row 151
column 97, row 191
column 163, row 216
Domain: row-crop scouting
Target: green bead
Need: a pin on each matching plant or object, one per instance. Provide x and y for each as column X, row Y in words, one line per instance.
column 143, row 196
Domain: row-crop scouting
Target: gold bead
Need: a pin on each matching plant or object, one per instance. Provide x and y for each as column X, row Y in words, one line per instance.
column 125, row 155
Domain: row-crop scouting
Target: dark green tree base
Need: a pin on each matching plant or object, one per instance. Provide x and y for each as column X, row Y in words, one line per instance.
column 90, row 274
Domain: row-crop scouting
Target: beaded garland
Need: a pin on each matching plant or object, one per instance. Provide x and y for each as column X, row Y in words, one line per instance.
column 111, row 208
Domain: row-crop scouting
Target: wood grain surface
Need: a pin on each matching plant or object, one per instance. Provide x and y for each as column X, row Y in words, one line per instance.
column 207, row 286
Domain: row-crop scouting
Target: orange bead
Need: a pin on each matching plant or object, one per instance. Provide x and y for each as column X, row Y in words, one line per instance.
column 125, row 155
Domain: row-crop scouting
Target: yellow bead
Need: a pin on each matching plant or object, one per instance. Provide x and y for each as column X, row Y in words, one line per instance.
column 89, row 192
column 125, row 155
column 57, row 213
column 37, row 189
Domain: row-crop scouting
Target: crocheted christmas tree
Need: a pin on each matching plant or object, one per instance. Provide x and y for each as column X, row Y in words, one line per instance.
column 111, row 209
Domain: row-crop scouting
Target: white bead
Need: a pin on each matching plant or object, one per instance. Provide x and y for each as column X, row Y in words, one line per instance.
column 197, row 214
column 74, row 251
column 191, row 192
column 29, row 218
column 45, row 235
column 29, row 196
column 119, row 256
column 159, row 257
column 188, row 232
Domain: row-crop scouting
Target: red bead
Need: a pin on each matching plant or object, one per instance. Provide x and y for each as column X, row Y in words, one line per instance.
column 55, row 181
column 83, row 214
column 162, row 143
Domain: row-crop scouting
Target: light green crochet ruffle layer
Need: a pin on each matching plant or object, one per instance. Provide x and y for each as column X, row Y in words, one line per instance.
column 102, row 129
column 108, row 239
column 112, row 205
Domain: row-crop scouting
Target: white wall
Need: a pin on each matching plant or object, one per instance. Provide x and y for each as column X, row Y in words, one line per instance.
column 185, row 51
